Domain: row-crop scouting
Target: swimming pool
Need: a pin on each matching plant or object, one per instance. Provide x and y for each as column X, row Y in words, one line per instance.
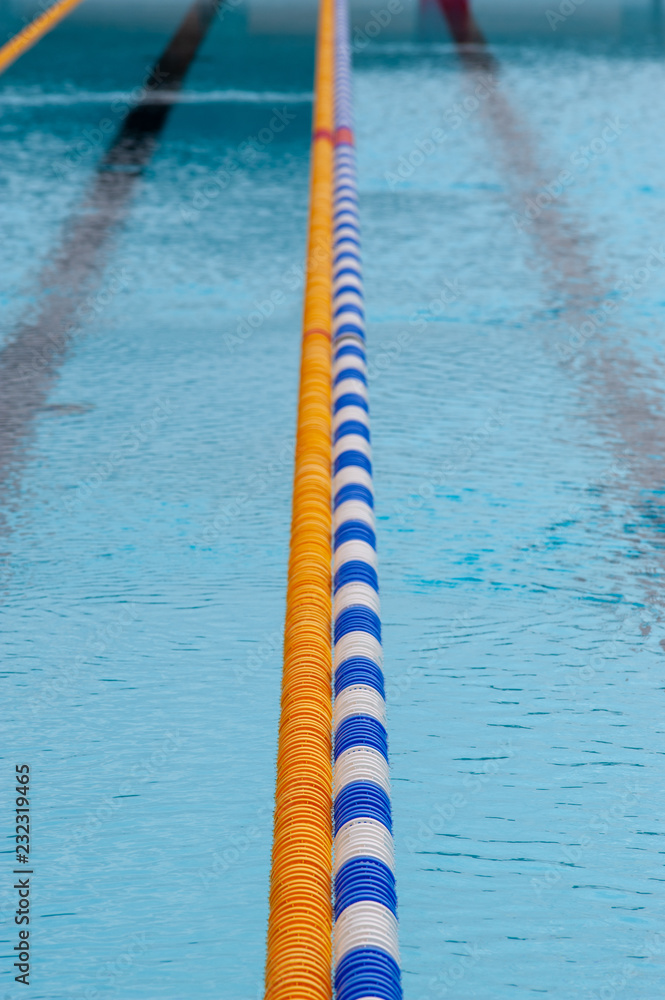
column 517, row 458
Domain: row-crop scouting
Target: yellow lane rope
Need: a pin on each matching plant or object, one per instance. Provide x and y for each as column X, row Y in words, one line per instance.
column 299, row 929
column 32, row 32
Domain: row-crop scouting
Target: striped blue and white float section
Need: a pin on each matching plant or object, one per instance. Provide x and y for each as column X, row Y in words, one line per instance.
column 365, row 930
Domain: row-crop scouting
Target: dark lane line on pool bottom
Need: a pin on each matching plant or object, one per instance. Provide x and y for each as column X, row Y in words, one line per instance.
column 29, row 362
column 623, row 410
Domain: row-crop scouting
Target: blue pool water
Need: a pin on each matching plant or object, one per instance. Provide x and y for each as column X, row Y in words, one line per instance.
column 518, row 465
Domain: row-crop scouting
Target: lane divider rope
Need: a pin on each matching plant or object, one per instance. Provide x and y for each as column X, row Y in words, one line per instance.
column 33, row 32
column 366, row 953
column 299, row 954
